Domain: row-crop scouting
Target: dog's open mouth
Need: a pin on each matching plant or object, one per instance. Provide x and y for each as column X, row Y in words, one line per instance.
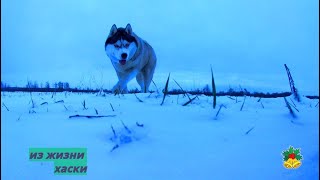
column 122, row 62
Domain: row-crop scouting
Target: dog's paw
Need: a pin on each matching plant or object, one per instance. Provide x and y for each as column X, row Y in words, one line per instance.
column 118, row 90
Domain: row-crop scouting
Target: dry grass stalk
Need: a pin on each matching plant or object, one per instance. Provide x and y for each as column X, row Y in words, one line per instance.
column 165, row 90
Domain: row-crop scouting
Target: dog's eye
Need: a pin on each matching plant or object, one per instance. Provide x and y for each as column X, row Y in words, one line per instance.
column 116, row 46
column 126, row 45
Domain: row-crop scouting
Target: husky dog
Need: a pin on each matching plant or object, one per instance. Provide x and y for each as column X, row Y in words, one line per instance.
column 131, row 57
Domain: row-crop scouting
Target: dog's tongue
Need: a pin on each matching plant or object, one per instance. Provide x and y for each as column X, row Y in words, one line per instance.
column 122, row 62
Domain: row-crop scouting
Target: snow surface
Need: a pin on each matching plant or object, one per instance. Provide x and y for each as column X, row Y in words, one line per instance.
column 176, row 142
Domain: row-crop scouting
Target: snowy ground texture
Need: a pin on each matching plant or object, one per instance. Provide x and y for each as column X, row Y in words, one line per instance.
column 175, row 142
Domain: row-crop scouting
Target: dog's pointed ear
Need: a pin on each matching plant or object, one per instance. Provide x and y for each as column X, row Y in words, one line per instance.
column 128, row 29
column 113, row 30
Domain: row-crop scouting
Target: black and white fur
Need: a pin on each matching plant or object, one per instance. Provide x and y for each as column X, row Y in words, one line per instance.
column 131, row 57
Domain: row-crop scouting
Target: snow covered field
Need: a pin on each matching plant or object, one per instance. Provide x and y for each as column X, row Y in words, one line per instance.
column 175, row 142
column 246, row 42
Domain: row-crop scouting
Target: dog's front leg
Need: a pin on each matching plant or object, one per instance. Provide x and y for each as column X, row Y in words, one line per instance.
column 124, row 78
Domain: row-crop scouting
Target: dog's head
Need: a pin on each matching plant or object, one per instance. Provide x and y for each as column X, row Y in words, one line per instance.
column 121, row 45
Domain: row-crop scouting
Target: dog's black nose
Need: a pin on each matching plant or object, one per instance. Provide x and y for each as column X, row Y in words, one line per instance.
column 124, row 55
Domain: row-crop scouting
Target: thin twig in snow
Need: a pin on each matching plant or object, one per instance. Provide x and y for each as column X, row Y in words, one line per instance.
column 189, row 101
column 262, row 105
column 150, row 94
column 86, row 116
column 294, row 107
column 184, row 92
column 155, row 86
column 5, row 106
column 111, row 107
column 138, row 98
column 293, row 102
column 32, row 100
column 219, row 110
column 249, row 130
column 84, row 105
column 32, row 111
column 114, row 132
column 289, row 107
column 140, row 125
column 128, row 130
column 244, row 100
column 19, row 118
column 61, row 101
column 114, row 147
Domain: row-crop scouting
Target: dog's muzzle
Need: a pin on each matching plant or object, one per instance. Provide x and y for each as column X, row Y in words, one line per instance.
column 124, row 57
column 122, row 62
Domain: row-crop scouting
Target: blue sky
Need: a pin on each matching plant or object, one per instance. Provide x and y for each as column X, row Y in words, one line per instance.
column 243, row 40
